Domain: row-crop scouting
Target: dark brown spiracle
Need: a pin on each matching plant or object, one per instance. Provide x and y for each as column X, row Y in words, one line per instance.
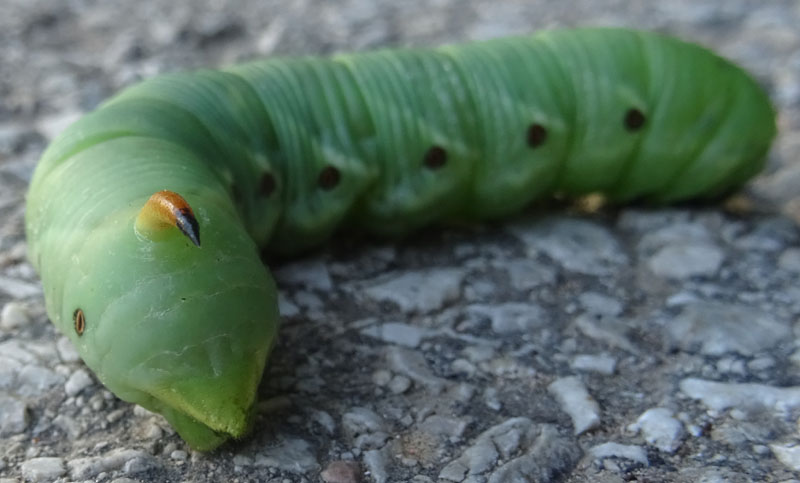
column 79, row 321
column 329, row 178
column 435, row 157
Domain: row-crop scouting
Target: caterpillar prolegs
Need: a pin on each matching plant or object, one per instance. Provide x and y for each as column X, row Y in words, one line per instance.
column 145, row 217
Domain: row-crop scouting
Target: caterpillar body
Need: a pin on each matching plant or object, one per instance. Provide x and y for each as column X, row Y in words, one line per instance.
column 278, row 154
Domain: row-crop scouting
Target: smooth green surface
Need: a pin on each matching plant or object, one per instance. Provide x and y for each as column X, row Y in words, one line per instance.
column 185, row 331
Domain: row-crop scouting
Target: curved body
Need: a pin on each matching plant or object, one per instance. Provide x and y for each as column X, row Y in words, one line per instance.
column 278, row 154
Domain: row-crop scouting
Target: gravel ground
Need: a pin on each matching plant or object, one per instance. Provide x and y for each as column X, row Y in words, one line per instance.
column 631, row 345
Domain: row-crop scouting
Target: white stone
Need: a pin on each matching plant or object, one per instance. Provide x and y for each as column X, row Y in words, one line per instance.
column 660, row 429
column 602, row 364
column 43, row 469
column 576, row 401
column 77, row 382
column 13, row 315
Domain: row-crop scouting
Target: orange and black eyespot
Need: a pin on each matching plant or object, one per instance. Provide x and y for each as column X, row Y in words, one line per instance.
column 536, row 135
column 79, row 320
column 634, row 119
column 328, row 178
column 435, row 157
column 267, row 185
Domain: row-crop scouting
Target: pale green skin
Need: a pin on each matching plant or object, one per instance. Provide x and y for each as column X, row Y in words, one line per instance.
column 212, row 135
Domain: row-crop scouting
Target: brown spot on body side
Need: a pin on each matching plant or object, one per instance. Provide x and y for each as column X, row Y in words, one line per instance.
column 79, row 321
column 435, row 157
column 329, row 178
column 536, row 135
column 634, row 119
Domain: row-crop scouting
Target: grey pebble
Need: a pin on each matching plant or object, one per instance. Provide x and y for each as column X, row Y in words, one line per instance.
column 720, row 396
column 599, row 304
column 580, row 246
column 397, row 333
column 325, row 420
column 660, row 429
column 790, row 260
column 417, row 291
column 616, row 450
column 444, row 426
column 34, row 380
column 286, row 307
column 686, row 260
column 115, row 459
column 14, row 415
column 413, row 365
column 310, row 274
column 362, row 420
column 13, row 315
column 77, row 382
column 527, row 274
column 607, row 330
column 602, row 364
column 376, row 462
column 715, row 329
column 524, row 450
column 511, row 317
column 787, row 453
column 17, row 289
column 43, row 469
column 293, row 455
column 66, row 350
column 399, row 384
column 576, row 401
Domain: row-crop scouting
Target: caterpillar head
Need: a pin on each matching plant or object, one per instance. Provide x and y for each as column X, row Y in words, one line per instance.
column 180, row 327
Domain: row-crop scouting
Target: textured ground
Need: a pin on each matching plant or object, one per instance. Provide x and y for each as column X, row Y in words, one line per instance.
column 622, row 346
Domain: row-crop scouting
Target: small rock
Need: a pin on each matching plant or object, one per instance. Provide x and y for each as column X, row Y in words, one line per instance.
column 362, row 420
column 578, row 245
column 43, row 469
column 576, row 401
column 526, row 274
column 660, row 429
column 616, row 450
column 417, row 291
column 376, row 462
column 608, row 330
column 311, row 274
column 598, row 304
column 35, row 380
column 91, row 466
column 413, row 365
column 720, row 396
column 399, row 384
column 13, row 315
column 179, row 455
column 14, row 416
column 715, row 329
column 77, row 382
column 514, row 450
column 602, row 364
column 790, row 260
column 788, row 454
column 444, row 426
column 397, row 333
column 509, row 318
column 66, row 350
column 686, row 260
column 341, row 472
column 325, row 420
column 17, row 289
column 293, row 455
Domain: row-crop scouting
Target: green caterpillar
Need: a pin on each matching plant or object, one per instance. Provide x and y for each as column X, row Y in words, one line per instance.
column 277, row 154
